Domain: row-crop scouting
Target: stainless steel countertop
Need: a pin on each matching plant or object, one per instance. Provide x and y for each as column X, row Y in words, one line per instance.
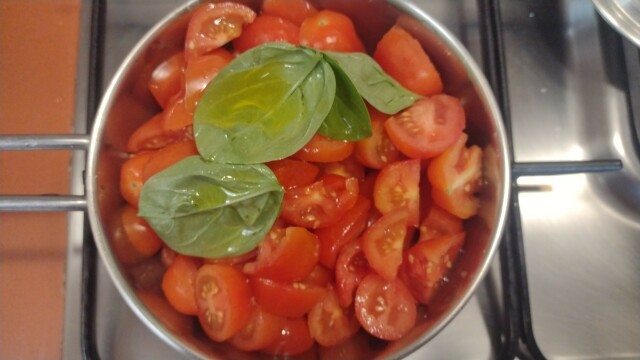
column 567, row 86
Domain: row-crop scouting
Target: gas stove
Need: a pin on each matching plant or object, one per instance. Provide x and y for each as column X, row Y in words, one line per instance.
column 566, row 282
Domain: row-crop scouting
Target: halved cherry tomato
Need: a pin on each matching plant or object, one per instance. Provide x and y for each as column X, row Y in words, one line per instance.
column 173, row 320
column 351, row 268
column 320, row 204
column 293, row 339
column 140, row 235
column 178, row 284
column 349, row 227
column 175, row 118
column 147, row 275
column 385, row 308
column 168, row 156
column 264, row 29
column 293, row 173
column 383, row 243
column 455, row 176
column 213, row 25
column 286, row 299
column 377, row 150
column 166, row 79
column 285, row 255
column 262, row 330
column 124, row 250
column 330, row 324
column 428, row 127
column 323, row 150
column 397, row 186
column 402, row 57
column 438, row 222
column 348, row 168
column 427, row 262
column 332, row 31
column 224, row 300
column 319, row 276
column 151, row 135
column 295, row 11
column 199, row 72
column 132, row 178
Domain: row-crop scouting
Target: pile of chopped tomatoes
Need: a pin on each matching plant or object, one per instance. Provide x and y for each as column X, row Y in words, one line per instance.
column 368, row 229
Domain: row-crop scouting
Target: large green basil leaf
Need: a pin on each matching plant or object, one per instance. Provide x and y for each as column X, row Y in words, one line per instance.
column 264, row 105
column 348, row 118
column 376, row 86
column 209, row 209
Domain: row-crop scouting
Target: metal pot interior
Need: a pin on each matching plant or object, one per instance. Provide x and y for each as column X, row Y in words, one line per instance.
column 127, row 104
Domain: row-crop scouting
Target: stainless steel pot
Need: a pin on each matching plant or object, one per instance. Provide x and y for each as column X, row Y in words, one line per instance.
column 127, row 103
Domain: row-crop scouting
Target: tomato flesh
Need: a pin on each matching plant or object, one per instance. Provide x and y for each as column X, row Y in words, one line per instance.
column 166, row 79
column 265, row 29
column 377, row 150
column 329, row 323
column 293, row 173
column 438, row 222
column 286, row 299
column 322, row 149
column 293, row 339
column 224, row 300
column 261, row 331
column 398, row 187
column 428, row 127
column 351, row 268
column 384, row 241
column 455, row 176
column 385, row 308
column 213, row 25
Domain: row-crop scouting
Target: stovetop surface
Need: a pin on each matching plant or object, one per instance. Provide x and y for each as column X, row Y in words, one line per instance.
column 569, row 79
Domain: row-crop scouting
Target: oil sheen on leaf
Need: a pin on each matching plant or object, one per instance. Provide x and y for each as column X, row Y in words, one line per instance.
column 264, row 105
column 210, row 209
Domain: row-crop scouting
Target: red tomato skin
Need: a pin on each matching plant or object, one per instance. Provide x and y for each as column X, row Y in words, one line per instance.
column 330, row 31
column 151, row 135
column 322, row 149
column 383, row 243
column 455, row 176
column 294, row 173
column 348, row 168
column 166, row 79
column 178, row 285
column 285, row 299
column 427, row 262
column 330, row 324
column 287, row 255
column 404, row 59
column 213, row 25
column 397, row 186
column 293, row 339
column 198, row 74
column 142, row 237
column 295, row 11
column 320, row 204
column 160, row 308
column 224, row 300
column 132, row 178
column 175, row 118
column 385, row 308
column 349, row 227
column 265, row 29
column 168, row 156
column 428, row 127
column 262, row 330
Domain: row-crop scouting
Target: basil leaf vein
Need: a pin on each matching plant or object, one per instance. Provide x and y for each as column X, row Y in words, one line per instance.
column 211, row 209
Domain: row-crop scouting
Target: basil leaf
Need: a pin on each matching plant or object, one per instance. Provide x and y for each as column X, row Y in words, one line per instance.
column 375, row 86
column 348, row 118
column 265, row 105
column 211, row 210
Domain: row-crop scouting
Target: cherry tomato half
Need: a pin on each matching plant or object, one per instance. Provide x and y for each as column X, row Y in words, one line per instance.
column 199, row 73
column 151, row 135
column 383, row 243
column 212, row 25
column 351, row 268
column 428, row 127
column 385, row 308
column 455, row 176
column 132, row 178
column 403, row 58
column 262, row 330
column 293, row 339
column 293, row 173
column 224, row 300
column 377, row 150
column 178, row 284
column 166, row 79
column 286, row 299
column 295, row 11
column 140, row 234
column 330, row 324
column 320, row 204
column 324, row 150
column 397, row 186
column 438, row 222
column 168, row 156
